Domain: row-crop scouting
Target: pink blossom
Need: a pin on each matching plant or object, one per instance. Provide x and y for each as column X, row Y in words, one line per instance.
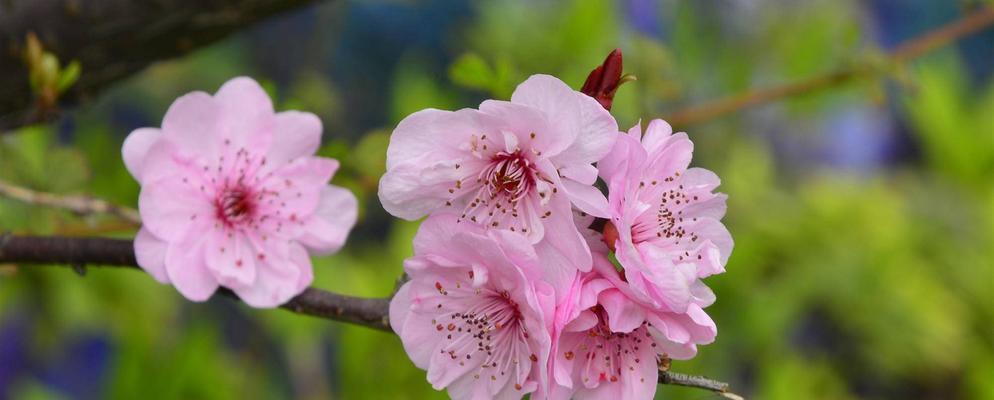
column 475, row 313
column 665, row 224
column 607, row 343
column 516, row 165
column 233, row 195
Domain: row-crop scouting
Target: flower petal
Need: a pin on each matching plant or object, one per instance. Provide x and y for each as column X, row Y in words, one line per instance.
column 590, row 128
column 326, row 231
column 623, row 314
column 521, row 120
column 437, row 132
column 587, row 198
column 150, row 252
column 230, row 258
column 656, row 134
column 170, row 208
column 246, row 113
column 277, row 281
column 190, row 120
column 297, row 134
column 416, row 333
column 411, row 190
column 186, row 266
column 136, row 147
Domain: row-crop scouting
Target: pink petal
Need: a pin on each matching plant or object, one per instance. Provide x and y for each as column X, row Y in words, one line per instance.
column 703, row 328
column 186, row 267
column 715, row 232
column 521, row 120
column 437, row 132
column 231, row 258
column 277, row 281
column 170, row 208
column 671, row 157
column 151, row 254
column 246, row 113
column 136, row 147
column 702, row 295
column 584, row 321
column 581, row 173
column 411, row 190
column 623, row 314
column 416, row 332
column 591, row 130
column 436, row 232
column 299, row 184
column 598, row 132
column 191, row 122
column 650, row 272
column 297, row 134
column 325, row 232
column 656, row 134
column 587, row 198
column 624, row 161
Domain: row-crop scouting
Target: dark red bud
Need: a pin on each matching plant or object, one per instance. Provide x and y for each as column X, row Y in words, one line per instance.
column 604, row 80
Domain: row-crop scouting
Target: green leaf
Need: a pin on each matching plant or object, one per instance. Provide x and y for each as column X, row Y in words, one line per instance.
column 68, row 76
column 472, row 71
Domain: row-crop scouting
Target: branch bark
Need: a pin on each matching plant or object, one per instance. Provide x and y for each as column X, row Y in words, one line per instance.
column 82, row 252
column 905, row 52
column 112, row 39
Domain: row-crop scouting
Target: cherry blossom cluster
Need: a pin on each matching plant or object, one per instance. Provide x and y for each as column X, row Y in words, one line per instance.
column 526, row 278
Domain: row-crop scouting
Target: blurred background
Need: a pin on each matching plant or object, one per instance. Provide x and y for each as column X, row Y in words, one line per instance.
column 863, row 214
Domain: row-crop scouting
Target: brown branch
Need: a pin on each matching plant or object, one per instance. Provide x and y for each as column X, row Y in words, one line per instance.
column 82, row 205
column 112, row 39
column 82, row 252
column 79, row 253
column 907, row 51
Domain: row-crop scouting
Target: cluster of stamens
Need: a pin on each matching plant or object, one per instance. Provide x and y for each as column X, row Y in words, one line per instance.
column 614, row 350
column 490, row 327
column 496, row 196
column 243, row 197
column 668, row 224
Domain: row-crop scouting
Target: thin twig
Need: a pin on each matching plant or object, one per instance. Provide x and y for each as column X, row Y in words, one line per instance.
column 699, row 382
column 907, row 51
column 370, row 312
column 82, row 205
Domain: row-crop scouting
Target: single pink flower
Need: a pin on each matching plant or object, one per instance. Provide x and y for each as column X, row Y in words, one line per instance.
column 666, row 218
column 516, row 165
column 475, row 314
column 607, row 343
column 233, row 195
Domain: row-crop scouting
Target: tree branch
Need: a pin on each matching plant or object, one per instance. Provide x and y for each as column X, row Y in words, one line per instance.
column 81, row 252
column 82, row 205
column 112, row 39
column 88, row 251
column 907, row 51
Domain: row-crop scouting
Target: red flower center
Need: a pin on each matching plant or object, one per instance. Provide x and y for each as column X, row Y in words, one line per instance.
column 234, row 205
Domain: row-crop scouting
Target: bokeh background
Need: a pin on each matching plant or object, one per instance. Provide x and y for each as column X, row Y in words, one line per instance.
column 863, row 214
